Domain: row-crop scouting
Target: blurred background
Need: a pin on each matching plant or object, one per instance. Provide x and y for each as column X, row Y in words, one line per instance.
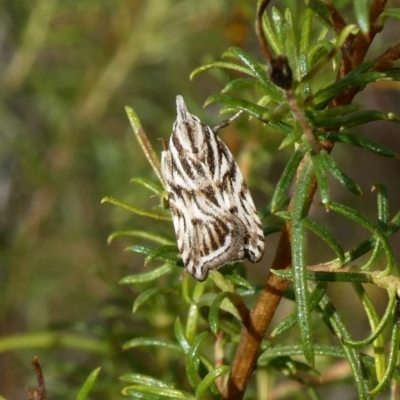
column 67, row 69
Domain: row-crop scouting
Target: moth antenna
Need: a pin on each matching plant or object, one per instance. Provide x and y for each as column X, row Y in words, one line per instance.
column 227, row 122
column 164, row 143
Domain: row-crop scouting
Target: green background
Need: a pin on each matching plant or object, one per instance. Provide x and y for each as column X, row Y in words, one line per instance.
column 67, row 69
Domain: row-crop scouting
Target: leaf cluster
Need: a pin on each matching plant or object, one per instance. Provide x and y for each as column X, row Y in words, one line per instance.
column 215, row 333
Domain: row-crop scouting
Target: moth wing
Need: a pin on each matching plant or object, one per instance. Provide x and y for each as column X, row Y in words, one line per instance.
column 213, row 213
column 208, row 242
column 231, row 185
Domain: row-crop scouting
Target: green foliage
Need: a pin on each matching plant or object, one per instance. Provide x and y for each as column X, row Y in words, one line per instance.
column 68, row 70
column 312, row 117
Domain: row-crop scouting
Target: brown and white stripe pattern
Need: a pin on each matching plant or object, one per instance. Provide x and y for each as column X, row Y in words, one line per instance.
column 212, row 210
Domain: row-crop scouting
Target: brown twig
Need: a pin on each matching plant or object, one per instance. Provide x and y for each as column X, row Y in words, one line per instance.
column 40, row 392
column 337, row 20
column 259, row 31
column 386, row 59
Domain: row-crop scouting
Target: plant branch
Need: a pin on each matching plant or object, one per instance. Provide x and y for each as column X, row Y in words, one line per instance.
column 386, row 59
column 265, row 308
column 353, row 51
column 337, row 20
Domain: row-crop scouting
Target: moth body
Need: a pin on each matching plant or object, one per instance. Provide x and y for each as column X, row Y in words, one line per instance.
column 214, row 217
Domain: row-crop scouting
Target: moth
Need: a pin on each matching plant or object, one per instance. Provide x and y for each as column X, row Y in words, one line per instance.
column 213, row 213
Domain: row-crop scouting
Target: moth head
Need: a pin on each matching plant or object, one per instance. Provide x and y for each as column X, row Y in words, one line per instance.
column 188, row 128
column 181, row 109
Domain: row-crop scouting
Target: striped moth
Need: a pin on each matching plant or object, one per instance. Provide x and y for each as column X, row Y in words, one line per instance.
column 214, row 217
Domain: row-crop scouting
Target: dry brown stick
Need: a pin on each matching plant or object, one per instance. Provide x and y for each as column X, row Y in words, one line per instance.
column 40, row 392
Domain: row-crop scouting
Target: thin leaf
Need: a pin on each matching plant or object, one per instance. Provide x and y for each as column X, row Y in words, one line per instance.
column 278, row 23
column 180, row 335
column 322, row 233
column 193, row 314
column 304, row 59
column 281, row 127
column 227, row 304
column 259, row 72
column 361, row 220
column 293, row 138
column 322, row 11
column 48, row 340
column 319, row 51
column 151, row 342
column 383, row 218
column 221, row 281
column 144, row 142
column 136, row 210
column 286, row 179
column 326, row 276
column 328, row 113
column 337, row 173
column 159, row 253
column 148, row 276
column 359, row 141
column 147, row 183
column 291, row 321
column 213, row 316
column 169, row 258
column 361, row 379
column 88, row 385
column 154, row 393
column 150, row 294
column 270, row 35
column 144, row 380
column 238, row 280
column 241, row 84
column 393, row 359
column 353, row 119
column 362, row 13
column 320, row 175
column 383, row 205
column 306, row 32
column 356, row 78
column 140, row 249
column 373, row 319
column 140, row 234
column 390, row 12
column 297, row 350
column 379, row 328
column 253, row 109
column 291, row 51
column 340, row 40
column 193, row 360
column 271, row 229
column 299, row 262
column 393, row 74
column 210, row 379
column 326, row 237
column 221, row 64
